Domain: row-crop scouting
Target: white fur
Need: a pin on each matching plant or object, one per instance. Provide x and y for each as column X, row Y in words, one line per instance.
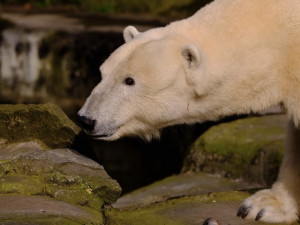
column 231, row 57
column 129, row 33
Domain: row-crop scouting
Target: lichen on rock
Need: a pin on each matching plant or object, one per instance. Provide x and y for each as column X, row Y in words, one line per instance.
column 45, row 123
column 241, row 149
column 177, row 186
column 36, row 164
column 61, row 174
column 184, row 211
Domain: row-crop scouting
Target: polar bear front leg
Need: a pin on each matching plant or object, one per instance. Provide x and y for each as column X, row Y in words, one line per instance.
column 280, row 204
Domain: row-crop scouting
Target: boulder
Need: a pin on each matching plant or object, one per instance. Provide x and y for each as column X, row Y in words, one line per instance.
column 250, row 148
column 35, row 210
column 42, row 181
column 62, row 174
column 45, row 123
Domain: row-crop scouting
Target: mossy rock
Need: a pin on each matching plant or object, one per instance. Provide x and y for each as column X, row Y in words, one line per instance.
column 179, row 185
column 221, row 206
column 35, row 210
column 45, row 123
column 62, row 174
column 250, row 148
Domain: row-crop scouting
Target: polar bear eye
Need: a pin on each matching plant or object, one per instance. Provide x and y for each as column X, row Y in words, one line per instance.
column 129, row 81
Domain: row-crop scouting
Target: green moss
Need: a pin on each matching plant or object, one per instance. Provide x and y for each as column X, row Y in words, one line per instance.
column 73, row 194
column 34, row 185
column 22, row 177
column 49, row 220
column 248, row 135
column 170, row 212
column 20, row 184
column 185, row 211
column 139, row 217
column 178, row 185
column 240, row 148
column 46, row 123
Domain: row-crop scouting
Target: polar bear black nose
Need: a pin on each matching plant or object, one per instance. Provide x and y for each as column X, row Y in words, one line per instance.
column 86, row 123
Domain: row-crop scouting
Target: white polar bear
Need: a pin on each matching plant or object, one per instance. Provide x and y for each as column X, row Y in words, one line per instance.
column 231, row 57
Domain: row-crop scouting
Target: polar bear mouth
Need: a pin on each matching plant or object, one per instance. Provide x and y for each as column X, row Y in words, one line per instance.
column 104, row 132
column 101, row 136
column 105, row 137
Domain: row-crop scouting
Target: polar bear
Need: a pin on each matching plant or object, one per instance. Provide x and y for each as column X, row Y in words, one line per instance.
column 230, row 57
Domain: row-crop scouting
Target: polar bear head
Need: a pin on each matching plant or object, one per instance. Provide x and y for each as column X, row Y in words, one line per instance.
column 146, row 85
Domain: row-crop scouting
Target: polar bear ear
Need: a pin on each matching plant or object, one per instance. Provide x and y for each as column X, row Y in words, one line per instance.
column 191, row 55
column 129, row 33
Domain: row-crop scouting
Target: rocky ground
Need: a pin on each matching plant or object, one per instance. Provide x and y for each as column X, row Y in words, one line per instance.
column 44, row 181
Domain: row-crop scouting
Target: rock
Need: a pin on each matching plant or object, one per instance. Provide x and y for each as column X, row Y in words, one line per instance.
column 41, row 180
column 62, row 174
column 185, row 211
column 250, row 148
column 34, row 210
column 45, row 123
column 179, row 185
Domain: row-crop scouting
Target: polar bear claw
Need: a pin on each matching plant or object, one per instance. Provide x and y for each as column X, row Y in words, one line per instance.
column 271, row 205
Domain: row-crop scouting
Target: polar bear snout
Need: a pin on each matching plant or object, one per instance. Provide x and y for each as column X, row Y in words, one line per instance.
column 96, row 129
column 86, row 123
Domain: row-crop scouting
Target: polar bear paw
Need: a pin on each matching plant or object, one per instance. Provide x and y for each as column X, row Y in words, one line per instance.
column 273, row 205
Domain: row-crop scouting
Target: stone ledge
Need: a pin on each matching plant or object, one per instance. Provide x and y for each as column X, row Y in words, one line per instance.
column 62, row 174
column 19, row 210
column 221, row 206
column 45, row 123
